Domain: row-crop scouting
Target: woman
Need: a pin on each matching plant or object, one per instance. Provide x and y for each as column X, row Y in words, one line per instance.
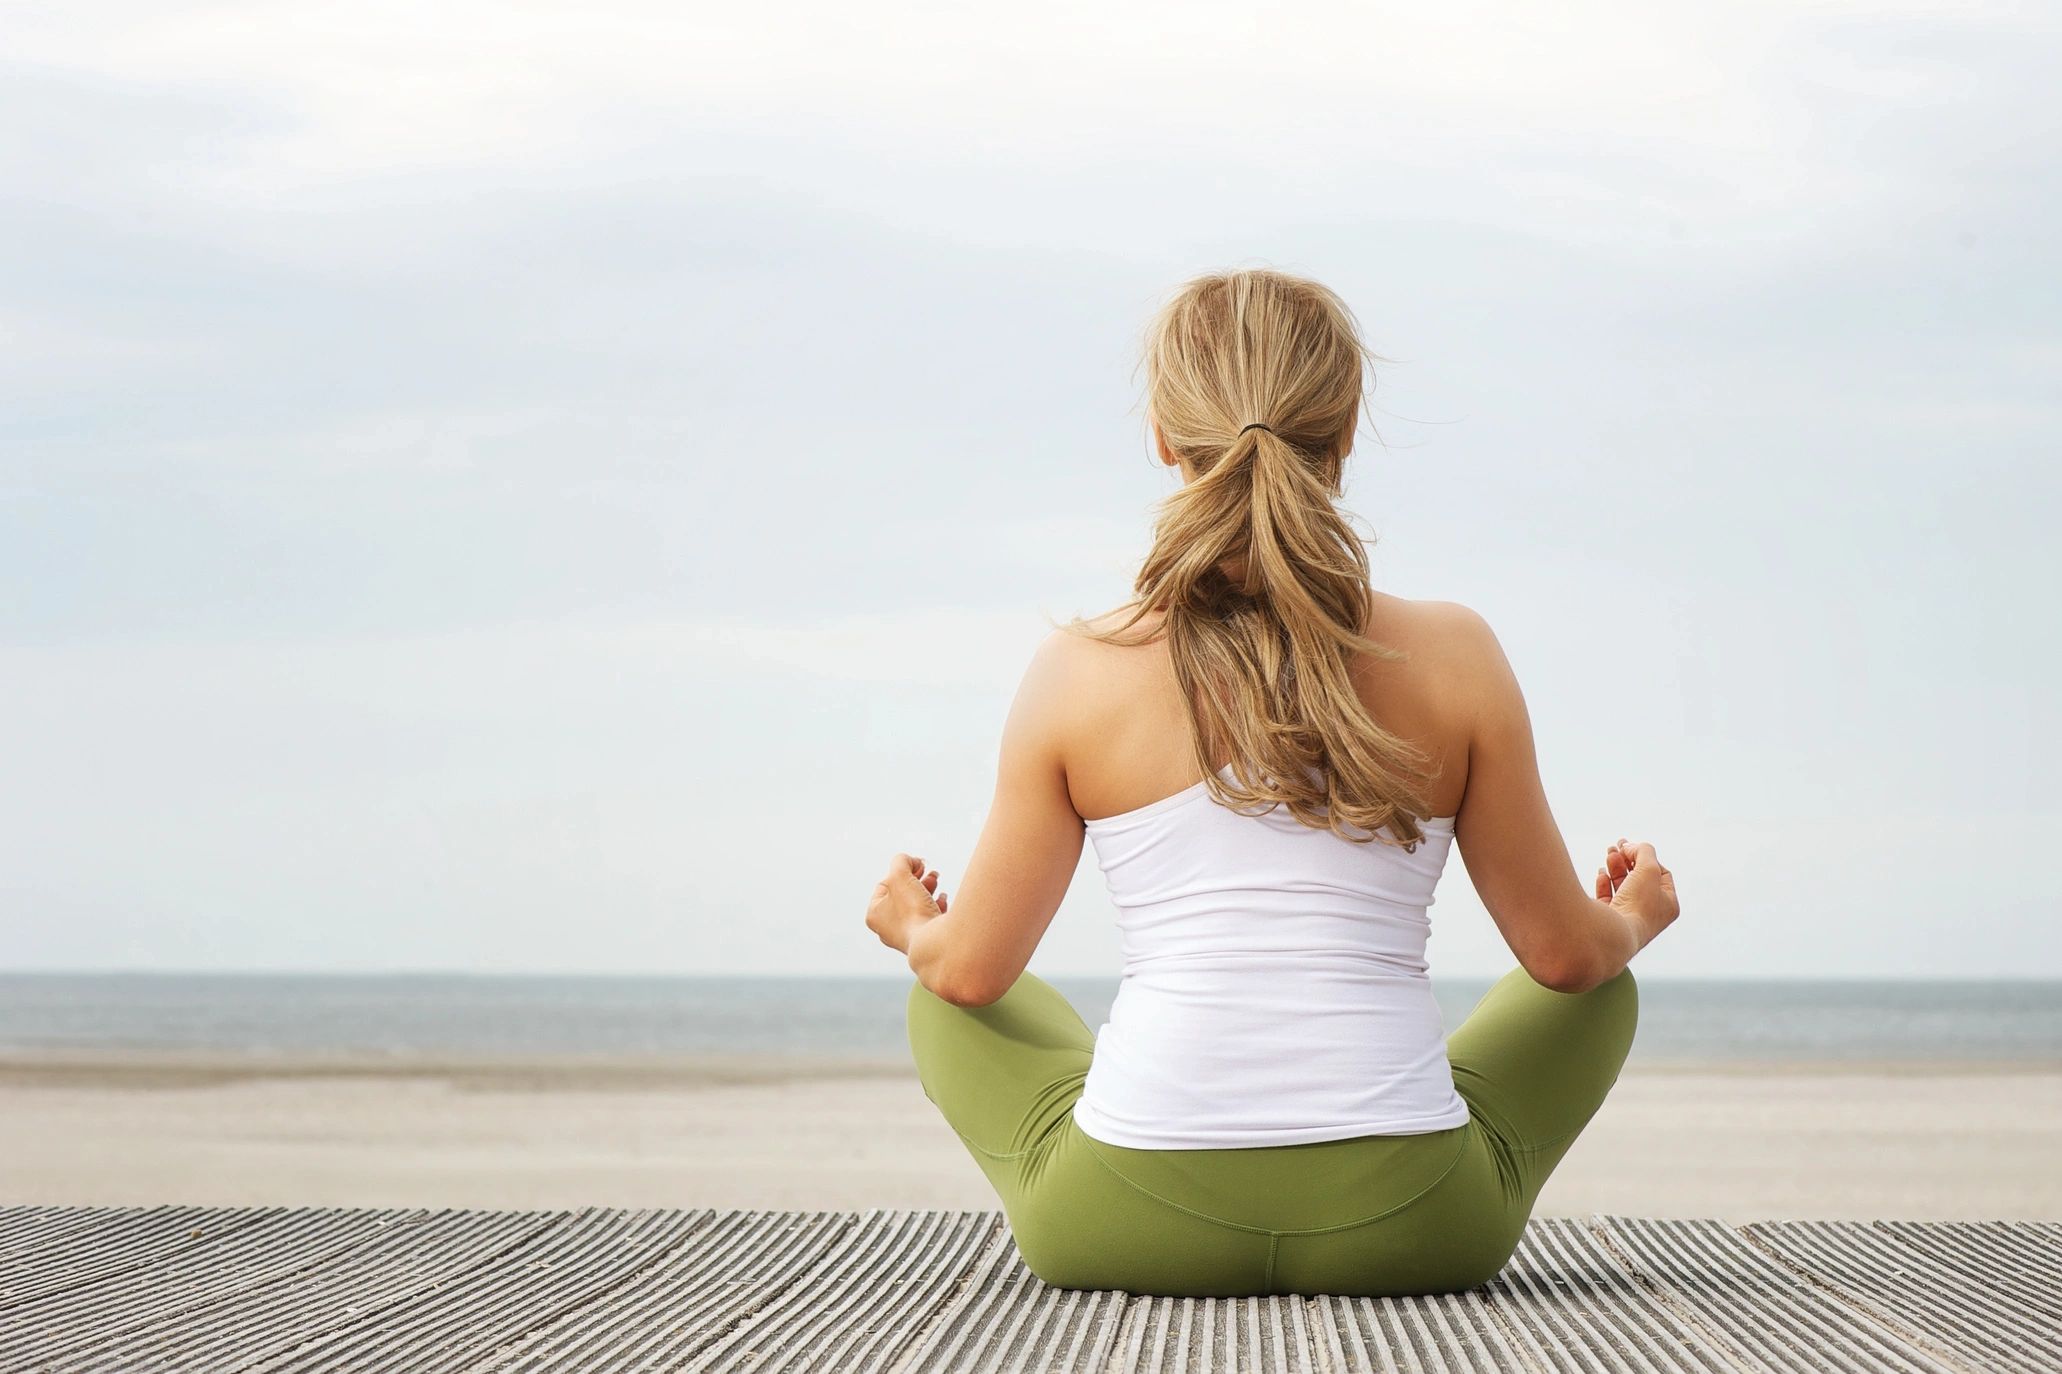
column 1271, row 760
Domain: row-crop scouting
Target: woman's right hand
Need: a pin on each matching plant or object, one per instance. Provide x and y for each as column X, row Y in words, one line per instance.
column 1633, row 881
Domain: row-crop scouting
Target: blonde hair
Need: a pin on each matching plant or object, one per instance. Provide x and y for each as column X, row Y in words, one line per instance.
column 1255, row 379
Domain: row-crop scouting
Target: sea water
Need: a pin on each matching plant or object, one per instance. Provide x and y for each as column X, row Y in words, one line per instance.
column 503, row 1017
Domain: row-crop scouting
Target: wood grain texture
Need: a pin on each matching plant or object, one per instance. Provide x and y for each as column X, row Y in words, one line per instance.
column 608, row 1291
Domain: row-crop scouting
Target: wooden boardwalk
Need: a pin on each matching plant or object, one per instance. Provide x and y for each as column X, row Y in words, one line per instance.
column 276, row 1289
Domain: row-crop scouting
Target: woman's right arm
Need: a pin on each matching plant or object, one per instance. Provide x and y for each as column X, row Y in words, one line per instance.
column 1565, row 937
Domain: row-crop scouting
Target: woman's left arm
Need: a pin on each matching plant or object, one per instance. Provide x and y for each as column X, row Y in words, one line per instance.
column 971, row 950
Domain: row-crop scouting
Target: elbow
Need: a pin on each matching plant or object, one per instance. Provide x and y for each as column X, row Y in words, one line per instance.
column 1579, row 956
column 959, row 984
column 1567, row 970
column 968, row 989
column 953, row 975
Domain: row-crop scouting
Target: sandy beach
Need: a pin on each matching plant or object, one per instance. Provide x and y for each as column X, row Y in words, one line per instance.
column 1734, row 1141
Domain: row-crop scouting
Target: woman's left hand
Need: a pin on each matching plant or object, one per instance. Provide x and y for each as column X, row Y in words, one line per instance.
column 904, row 899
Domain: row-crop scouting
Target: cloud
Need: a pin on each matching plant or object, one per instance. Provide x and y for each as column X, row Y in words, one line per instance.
column 454, row 455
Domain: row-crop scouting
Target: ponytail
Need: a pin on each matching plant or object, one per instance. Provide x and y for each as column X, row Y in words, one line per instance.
column 1262, row 579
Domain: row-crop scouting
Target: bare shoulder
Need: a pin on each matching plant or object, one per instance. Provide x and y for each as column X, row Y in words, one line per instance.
column 1082, row 675
column 1118, row 618
column 1452, row 660
column 1137, row 646
column 1116, row 707
column 1443, row 634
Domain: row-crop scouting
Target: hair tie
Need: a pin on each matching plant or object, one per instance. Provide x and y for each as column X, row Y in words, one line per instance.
column 1258, row 425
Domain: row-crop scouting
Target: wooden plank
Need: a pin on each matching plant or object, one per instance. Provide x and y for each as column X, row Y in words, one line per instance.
column 714, row 1281
column 1221, row 1335
column 872, row 1336
column 1576, row 1310
column 1001, row 1318
column 2010, row 1259
column 111, row 1243
column 827, row 1318
column 1963, row 1312
column 611, row 1291
column 247, row 1323
column 25, row 1231
column 497, row 1302
column 1456, row 1331
column 226, row 1259
column 842, row 1298
column 1776, row 1318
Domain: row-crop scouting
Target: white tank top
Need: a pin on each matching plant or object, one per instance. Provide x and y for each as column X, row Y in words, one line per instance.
column 1274, row 987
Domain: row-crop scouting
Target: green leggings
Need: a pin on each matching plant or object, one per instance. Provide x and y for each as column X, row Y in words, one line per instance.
column 1367, row 1216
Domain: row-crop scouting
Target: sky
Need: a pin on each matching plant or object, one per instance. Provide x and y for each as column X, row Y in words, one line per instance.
column 573, row 487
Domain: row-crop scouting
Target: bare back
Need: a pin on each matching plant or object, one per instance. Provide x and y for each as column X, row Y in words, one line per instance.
column 1127, row 741
column 1121, row 741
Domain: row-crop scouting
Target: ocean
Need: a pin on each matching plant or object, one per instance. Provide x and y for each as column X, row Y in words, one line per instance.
column 455, row 1016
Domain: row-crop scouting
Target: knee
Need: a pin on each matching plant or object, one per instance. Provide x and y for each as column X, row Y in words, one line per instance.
column 1602, row 1020
column 1616, row 999
column 931, row 1022
column 1620, row 999
column 924, row 1012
